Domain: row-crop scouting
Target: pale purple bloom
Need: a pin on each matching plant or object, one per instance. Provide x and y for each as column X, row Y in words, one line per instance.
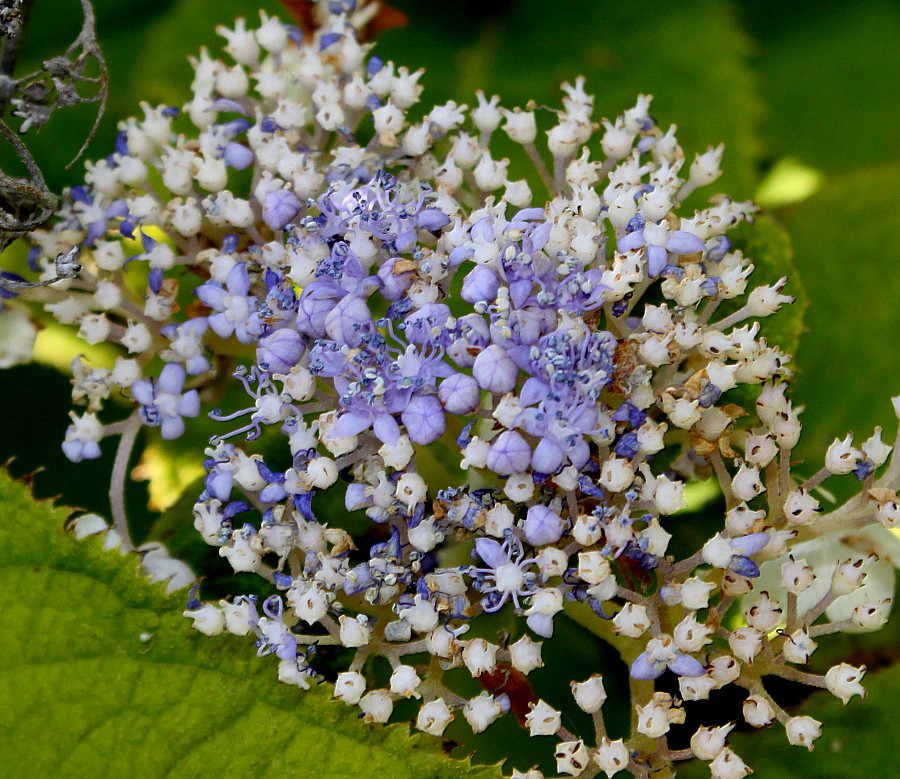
column 162, row 402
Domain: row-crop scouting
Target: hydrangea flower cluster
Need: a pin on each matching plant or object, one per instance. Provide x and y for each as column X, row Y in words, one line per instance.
column 579, row 361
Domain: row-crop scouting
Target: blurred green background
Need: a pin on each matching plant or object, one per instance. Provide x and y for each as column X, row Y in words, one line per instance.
column 805, row 95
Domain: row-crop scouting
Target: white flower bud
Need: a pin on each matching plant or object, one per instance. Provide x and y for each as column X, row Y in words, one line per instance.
column 718, row 551
column 798, row 647
column 764, row 615
column 552, row 562
column 434, row 717
column 766, row 300
column 842, row 681
column 875, row 449
column 208, row 619
column 802, row 731
column 398, row 454
column 759, row 450
column 519, row 488
column 611, row 756
column 696, row 688
column 631, row 621
column 480, row 657
column 525, row 655
column 411, row 490
column 242, row 557
column 353, row 632
column 404, row 681
column 587, row 530
column 593, row 567
column 425, row 536
column 616, row 474
column 727, row 765
column 691, row 635
column 542, row 720
column 870, row 616
column 758, row 711
column 668, row 495
column 589, row 695
column 724, row 670
column 498, row 520
column 695, row 593
column 745, row 643
column 796, row 575
column 572, row 757
column 705, row 167
column 800, row 507
column 746, row 484
column 708, row 743
column 653, row 719
column 422, row 616
column 349, row 687
column 841, row 456
column 481, row 711
column 520, row 125
column 376, row 706
column 742, row 520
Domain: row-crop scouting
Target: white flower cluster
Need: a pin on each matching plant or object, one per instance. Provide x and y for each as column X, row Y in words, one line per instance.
column 586, row 356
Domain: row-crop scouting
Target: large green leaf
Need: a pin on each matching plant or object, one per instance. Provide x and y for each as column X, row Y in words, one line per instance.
column 101, row 676
column 828, row 73
column 847, row 242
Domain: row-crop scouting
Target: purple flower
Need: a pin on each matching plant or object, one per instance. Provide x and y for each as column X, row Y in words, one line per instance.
column 162, row 402
column 509, row 453
column 659, row 240
column 543, row 526
column 662, row 653
column 505, row 577
column 281, row 207
column 459, row 394
column 233, row 304
column 280, row 351
column 424, row 419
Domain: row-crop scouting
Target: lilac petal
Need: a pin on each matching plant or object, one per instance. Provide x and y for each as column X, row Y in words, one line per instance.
column 529, row 214
column 547, row 457
column 197, row 364
column 645, row 669
column 405, row 241
column 656, row 260
column 232, row 106
column 386, row 429
column 542, row 624
column 356, row 498
column 540, row 235
column 238, row 280
column 171, row 379
column 533, row 391
column 631, row 241
column 750, row 545
column 579, row 453
column 142, row 392
column 221, row 325
column 211, row 294
column 432, row 219
column 424, row 419
column 685, row 665
column 218, row 483
column 189, row 404
column 349, row 424
column 494, row 370
column 519, row 292
column 280, row 351
column 492, row 552
column 681, row 242
column 744, row 566
column 237, row 156
column 171, row 428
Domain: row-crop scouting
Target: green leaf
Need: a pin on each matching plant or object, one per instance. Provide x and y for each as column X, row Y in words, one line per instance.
column 829, row 77
column 101, row 676
column 690, row 55
column 847, row 241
